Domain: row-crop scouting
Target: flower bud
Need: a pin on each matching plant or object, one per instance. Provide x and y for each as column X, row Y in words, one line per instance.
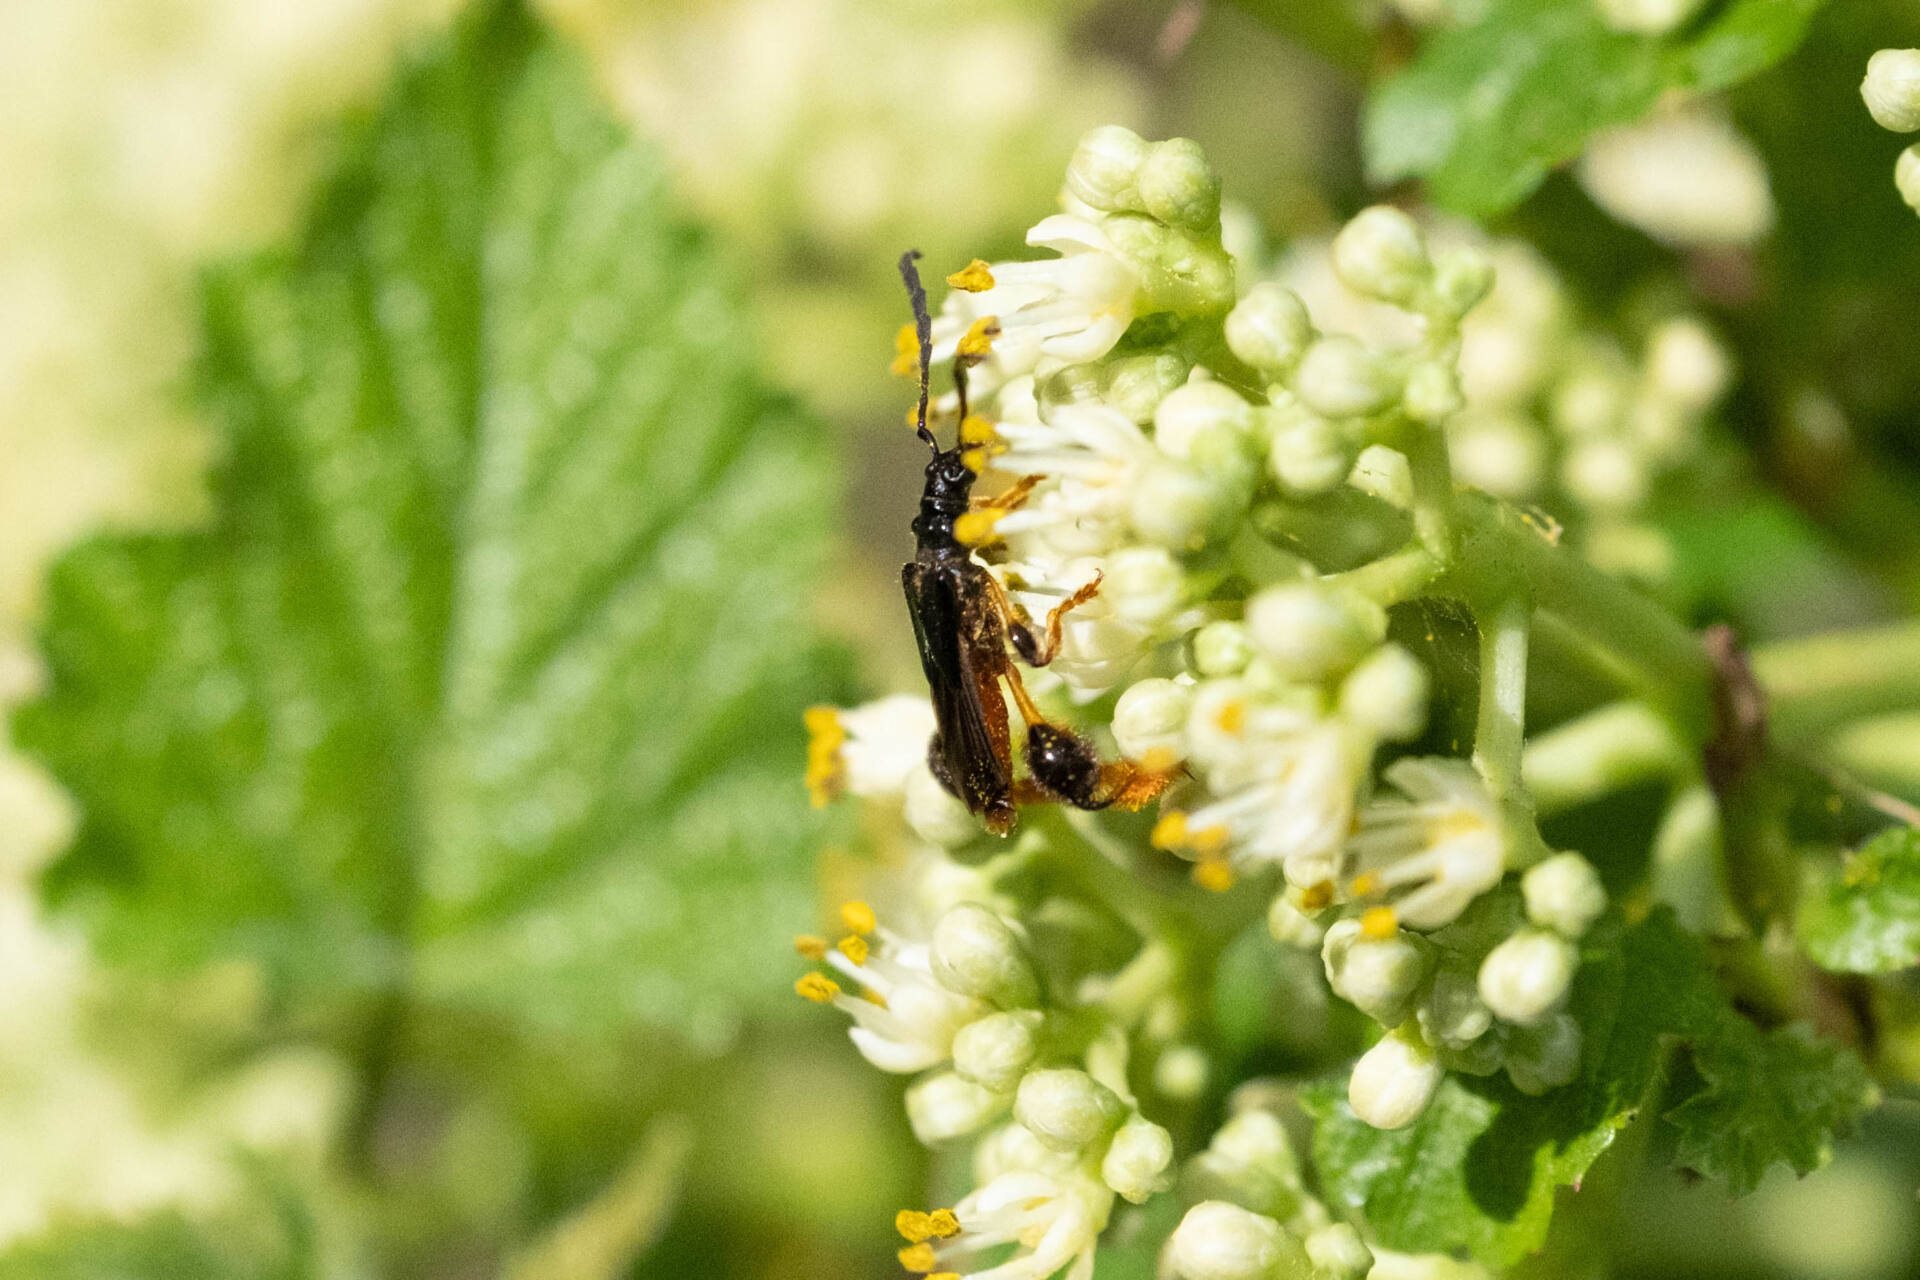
column 1544, row 1057
column 1502, row 453
column 1525, row 979
column 1310, row 631
column 1433, row 392
column 1250, row 1161
column 1342, row 379
column 1387, row 694
column 1221, row 1241
column 1143, row 585
column 1380, row 977
column 1394, row 1081
column 1181, row 1072
column 1269, row 328
column 936, row 814
column 1383, row 473
column 1606, row 474
column 1178, row 507
column 1685, row 366
column 1462, row 278
column 1338, row 1253
column 1104, row 168
column 1137, row 384
column 1137, row 1159
column 1152, row 715
column 1222, row 649
column 1564, row 894
column 1178, row 186
column 1647, row 17
column 945, row 1106
column 1589, row 400
column 995, row 1051
column 1291, row 927
column 1906, row 176
column 1068, row 1110
column 1177, row 270
column 1892, row 89
column 1196, row 409
column 1381, row 253
column 1308, row 454
column 975, row 953
column 1010, row 1148
column 1453, row 1015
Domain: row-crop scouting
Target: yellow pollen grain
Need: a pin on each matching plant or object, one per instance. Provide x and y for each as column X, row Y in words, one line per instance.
column 1378, row 923
column 858, row 916
column 944, row 1224
column 944, row 1275
column 854, row 948
column 913, row 1225
column 1213, row 875
column 1171, row 831
column 1208, row 840
column 810, row 946
column 1232, row 717
column 1159, row 760
column 975, row 429
column 975, row 528
column 825, row 735
column 817, row 987
column 975, row 460
column 977, row 345
column 906, row 353
column 1364, row 885
column 918, row 1257
column 1316, row 897
column 975, row 277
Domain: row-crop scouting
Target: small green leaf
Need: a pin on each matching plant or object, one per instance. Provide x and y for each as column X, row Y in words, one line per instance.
column 1488, row 109
column 483, row 682
column 1479, row 1170
column 1865, row 918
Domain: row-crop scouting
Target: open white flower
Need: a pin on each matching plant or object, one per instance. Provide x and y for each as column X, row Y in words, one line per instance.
column 1054, row 1217
column 904, row 1020
column 867, row 750
column 1092, row 455
column 1432, row 849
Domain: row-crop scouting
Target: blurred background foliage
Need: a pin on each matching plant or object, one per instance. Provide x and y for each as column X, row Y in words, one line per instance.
column 476, row 466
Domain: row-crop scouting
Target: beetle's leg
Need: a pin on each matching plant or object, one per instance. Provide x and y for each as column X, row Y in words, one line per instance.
column 1013, row 499
column 1039, row 650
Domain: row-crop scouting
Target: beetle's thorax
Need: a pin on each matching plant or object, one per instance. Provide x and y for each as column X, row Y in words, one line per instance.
column 947, row 497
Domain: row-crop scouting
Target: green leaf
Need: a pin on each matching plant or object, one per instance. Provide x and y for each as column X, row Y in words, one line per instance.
column 1479, row 1170
column 266, row 1234
column 1488, row 109
column 1866, row 918
column 483, row 682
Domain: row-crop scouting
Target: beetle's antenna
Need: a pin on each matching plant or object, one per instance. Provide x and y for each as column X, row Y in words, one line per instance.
column 923, row 331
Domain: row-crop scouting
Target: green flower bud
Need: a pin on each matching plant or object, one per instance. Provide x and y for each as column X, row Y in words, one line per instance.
column 1892, row 89
column 1383, row 473
column 1685, row 366
column 1144, row 585
column 1433, row 392
column 936, row 814
column 1338, row 1253
column 1310, row 631
column 1221, row 1241
column 1462, row 278
column 1180, row 507
column 1068, row 1110
column 1251, row 1162
column 1453, row 1015
column 1074, row 384
column 1387, row 694
column 1525, row 979
column 1379, row 976
column 1137, row 384
column 1394, row 1081
column 1380, row 253
column 995, row 1051
column 1340, row 378
column 946, row 1106
column 1607, row 474
column 1104, row 168
column 1152, row 716
column 1137, row 1160
column 1502, row 453
column 1906, row 177
column 1269, row 328
column 1544, row 1057
column 1178, row 270
column 1308, row 454
column 1222, row 649
column 1198, row 409
column 975, row 953
column 1178, row 186
column 1564, row 894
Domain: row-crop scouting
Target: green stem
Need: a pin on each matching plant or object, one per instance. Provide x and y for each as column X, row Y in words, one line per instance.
column 1500, row 732
column 1391, row 579
column 1817, row 683
column 1620, row 745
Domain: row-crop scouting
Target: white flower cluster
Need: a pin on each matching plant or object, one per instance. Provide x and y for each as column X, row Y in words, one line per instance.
column 1892, row 92
column 1254, row 485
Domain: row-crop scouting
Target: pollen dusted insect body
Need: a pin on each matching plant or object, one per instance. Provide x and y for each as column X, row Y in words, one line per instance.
column 963, row 621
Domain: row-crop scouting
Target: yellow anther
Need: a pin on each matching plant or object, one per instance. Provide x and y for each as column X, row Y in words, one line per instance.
column 975, row 429
column 914, row 1225
column 825, row 736
column 944, row 1224
column 975, row 528
column 975, row 460
column 1378, row 923
column 810, row 946
column 1214, row 874
column 977, row 345
column 1208, row 840
column 1364, row 885
column 854, row 948
column 1171, row 831
column 906, row 352
column 944, row 1275
column 858, row 916
column 974, row 277
column 918, row 1257
column 1232, row 717
column 817, row 987
column 873, row 997
column 1317, row 896
column 1159, row 760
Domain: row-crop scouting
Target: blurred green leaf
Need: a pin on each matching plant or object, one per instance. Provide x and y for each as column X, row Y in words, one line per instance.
column 1487, row 109
column 483, row 684
column 264, row 1234
column 1864, row 916
column 1479, row 1169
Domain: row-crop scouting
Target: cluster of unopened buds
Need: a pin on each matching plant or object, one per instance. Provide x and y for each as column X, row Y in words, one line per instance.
column 1892, row 93
column 1252, row 496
